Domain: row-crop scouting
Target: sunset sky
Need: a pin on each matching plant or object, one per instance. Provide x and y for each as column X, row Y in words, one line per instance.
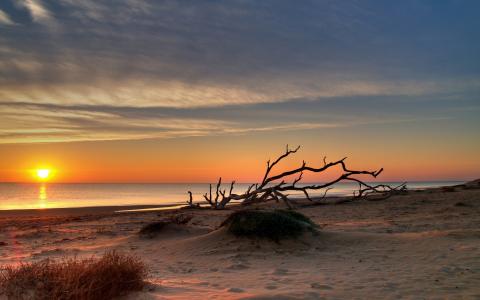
column 186, row 91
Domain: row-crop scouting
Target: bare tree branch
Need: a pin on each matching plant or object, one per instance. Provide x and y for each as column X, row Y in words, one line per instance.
column 273, row 187
column 270, row 166
column 190, row 201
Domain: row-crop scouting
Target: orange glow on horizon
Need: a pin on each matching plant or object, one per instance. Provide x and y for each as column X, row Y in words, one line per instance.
column 194, row 161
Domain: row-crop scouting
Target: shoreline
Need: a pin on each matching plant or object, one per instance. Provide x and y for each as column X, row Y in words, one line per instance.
column 38, row 198
column 134, row 208
column 78, row 211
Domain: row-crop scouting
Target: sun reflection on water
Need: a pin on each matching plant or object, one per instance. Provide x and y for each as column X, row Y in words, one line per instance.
column 42, row 196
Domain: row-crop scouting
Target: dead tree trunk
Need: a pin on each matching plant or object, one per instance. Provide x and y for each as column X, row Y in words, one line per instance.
column 275, row 187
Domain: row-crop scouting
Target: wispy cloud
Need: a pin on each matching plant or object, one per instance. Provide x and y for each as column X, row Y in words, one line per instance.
column 38, row 11
column 120, row 12
column 5, row 19
column 149, row 92
column 33, row 123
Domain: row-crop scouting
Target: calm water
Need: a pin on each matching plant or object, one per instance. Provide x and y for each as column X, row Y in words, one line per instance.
column 34, row 196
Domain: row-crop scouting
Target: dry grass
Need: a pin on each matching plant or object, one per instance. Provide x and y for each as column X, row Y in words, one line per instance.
column 110, row 276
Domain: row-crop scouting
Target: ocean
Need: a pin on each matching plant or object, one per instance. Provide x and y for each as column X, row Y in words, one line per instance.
column 67, row 195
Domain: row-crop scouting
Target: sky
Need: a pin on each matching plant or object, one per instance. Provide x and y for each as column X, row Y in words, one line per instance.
column 186, row 91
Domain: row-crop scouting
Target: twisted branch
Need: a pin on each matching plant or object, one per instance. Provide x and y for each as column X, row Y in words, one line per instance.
column 273, row 187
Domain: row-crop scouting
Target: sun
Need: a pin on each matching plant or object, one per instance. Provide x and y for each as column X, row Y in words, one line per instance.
column 43, row 174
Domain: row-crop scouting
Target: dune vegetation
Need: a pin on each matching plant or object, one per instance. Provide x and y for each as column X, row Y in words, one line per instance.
column 274, row 225
column 110, row 276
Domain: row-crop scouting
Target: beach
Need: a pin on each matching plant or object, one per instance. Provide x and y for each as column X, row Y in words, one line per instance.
column 421, row 244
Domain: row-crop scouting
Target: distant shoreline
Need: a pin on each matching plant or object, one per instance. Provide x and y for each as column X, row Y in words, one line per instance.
column 77, row 211
column 134, row 208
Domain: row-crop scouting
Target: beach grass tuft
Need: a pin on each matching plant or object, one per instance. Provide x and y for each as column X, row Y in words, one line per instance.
column 108, row 277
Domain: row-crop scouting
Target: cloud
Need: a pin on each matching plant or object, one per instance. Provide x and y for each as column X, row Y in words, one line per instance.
column 5, row 19
column 120, row 12
column 196, row 62
column 38, row 11
column 32, row 122
column 170, row 93
column 184, row 53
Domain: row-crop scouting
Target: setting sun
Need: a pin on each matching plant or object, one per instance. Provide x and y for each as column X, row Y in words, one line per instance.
column 43, row 173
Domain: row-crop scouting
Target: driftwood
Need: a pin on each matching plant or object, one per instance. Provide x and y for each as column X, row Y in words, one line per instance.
column 275, row 187
column 190, row 201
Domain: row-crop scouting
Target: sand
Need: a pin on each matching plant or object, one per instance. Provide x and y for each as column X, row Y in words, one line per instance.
column 425, row 244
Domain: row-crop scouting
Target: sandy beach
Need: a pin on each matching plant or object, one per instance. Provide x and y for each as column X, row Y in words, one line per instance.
column 422, row 245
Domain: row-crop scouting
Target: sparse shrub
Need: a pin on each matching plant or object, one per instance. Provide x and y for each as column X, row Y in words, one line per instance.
column 152, row 229
column 110, row 276
column 275, row 225
column 181, row 219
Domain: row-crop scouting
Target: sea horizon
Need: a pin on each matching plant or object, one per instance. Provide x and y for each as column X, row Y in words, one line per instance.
column 18, row 195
